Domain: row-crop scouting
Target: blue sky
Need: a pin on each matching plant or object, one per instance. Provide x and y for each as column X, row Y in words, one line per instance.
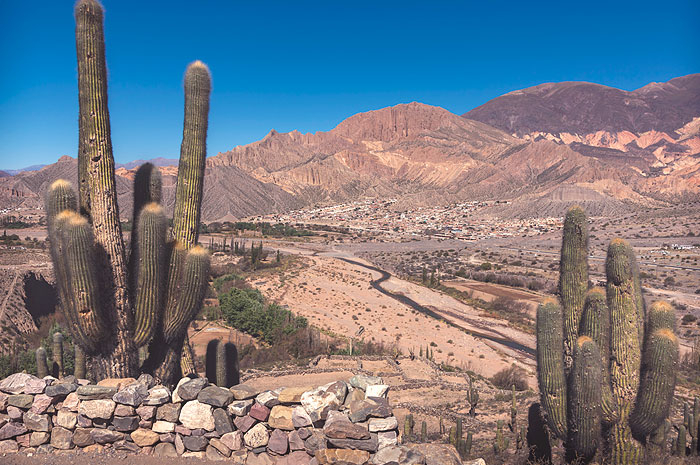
column 308, row 65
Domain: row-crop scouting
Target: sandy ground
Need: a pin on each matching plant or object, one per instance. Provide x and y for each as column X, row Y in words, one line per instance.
column 337, row 297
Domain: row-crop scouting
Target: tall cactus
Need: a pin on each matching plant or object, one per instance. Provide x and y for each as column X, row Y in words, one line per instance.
column 222, row 366
column 114, row 306
column 622, row 374
column 573, row 276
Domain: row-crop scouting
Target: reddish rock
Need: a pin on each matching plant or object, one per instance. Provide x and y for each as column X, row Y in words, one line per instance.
column 259, row 412
column 278, row 443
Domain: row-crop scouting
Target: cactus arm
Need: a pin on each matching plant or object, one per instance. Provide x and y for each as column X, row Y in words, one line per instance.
column 657, row 384
column 595, row 323
column 84, row 306
column 193, row 152
column 119, row 358
column 584, row 413
column 187, row 299
column 150, row 272
column 625, row 350
column 550, row 365
column 573, row 276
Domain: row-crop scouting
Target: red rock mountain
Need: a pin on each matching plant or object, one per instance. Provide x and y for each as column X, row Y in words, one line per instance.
column 654, row 130
column 541, row 148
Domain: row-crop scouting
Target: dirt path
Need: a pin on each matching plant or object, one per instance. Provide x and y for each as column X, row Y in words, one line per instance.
column 470, row 326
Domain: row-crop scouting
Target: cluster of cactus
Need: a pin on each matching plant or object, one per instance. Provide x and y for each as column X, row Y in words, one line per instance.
column 605, row 365
column 116, row 302
column 691, row 428
column 222, row 367
column 463, row 446
column 500, row 444
column 57, row 368
column 472, row 397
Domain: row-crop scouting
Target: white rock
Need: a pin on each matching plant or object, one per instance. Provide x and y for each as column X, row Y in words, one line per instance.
column 377, row 390
column 195, row 414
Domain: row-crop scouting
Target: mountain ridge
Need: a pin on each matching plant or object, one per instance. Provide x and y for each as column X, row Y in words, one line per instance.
column 422, row 154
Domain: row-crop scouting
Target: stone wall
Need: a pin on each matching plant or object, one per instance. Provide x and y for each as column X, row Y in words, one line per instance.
column 342, row 422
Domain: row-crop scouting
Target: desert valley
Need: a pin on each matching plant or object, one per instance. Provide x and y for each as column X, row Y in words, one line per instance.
column 415, row 244
column 513, row 283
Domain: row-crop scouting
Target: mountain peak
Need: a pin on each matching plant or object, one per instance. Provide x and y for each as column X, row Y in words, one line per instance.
column 398, row 121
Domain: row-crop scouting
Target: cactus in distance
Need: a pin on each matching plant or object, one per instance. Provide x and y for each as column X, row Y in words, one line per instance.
column 472, row 397
column 222, row 366
column 115, row 302
column 618, row 374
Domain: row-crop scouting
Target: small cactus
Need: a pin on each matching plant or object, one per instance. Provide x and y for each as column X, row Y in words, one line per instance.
column 42, row 368
column 79, row 360
column 513, row 412
column 472, row 397
column 501, row 443
column 222, row 363
column 452, row 437
column 680, row 441
column 57, row 354
column 424, row 432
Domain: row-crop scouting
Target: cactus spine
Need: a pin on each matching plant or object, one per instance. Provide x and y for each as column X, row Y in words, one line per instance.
column 222, row 363
column 187, row 361
column 622, row 372
column 113, row 307
column 42, row 368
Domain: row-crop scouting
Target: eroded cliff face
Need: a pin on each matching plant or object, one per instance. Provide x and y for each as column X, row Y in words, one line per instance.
column 641, row 146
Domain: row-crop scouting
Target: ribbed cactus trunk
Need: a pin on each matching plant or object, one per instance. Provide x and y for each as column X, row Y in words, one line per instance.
column 584, row 412
column 188, row 204
column 117, row 355
column 550, row 366
column 79, row 360
column 625, row 349
column 573, row 277
column 57, row 355
column 222, row 366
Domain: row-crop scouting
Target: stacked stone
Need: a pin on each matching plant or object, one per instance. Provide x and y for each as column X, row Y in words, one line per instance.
column 349, row 422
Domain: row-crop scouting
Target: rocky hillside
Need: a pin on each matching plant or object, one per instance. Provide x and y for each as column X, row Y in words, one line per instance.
column 229, row 192
column 546, row 146
column 415, row 150
column 654, row 130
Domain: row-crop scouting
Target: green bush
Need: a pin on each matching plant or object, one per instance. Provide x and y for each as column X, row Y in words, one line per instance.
column 247, row 311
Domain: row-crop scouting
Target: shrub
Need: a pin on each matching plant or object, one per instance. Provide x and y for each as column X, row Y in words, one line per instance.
column 511, row 376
